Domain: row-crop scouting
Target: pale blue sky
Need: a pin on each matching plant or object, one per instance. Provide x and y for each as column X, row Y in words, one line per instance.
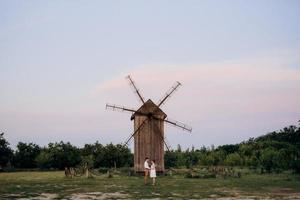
column 54, row 54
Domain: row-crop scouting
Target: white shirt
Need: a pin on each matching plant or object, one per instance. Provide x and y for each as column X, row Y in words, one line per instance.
column 146, row 165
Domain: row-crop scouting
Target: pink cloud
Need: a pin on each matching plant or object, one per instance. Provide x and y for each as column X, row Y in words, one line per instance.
column 238, row 94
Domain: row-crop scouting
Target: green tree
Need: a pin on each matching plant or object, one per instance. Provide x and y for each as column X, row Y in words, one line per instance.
column 217, row 157
column 228, row 148
column 58, row 156
column 109, row 155
column 115, row 155
column 170, row 159
column 251, row 161
column 97, row 150
column 64, row 155
column 270, row 159
column 87, row 161
column 180, row 160
column 233, row 159
column 191, row 158
column 203, row 157
column 295, row 159
column 6, row 153
column 25, row 155
column 45, row 159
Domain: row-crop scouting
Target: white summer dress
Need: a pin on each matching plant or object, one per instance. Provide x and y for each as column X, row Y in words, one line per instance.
column 152, row 171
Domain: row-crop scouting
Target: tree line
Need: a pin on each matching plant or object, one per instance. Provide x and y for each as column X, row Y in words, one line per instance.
column 273, row 152
column 60, row 155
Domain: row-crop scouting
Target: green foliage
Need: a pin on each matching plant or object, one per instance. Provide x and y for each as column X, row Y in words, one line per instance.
column 87, row 161
column 6, row 153
column 170, row 159
column 229, row 148
column 179, row 158
column 272, row 152
column 116, row 156
column 25, row 155
column 64, row 155
column 295, row 158
column 191, row 158
column 289, row 135
column 44, row 160
column 270, row 159
column 275, row 151
column 296, row 165
column 233, row 159
column 109, row 155
column 59, row 156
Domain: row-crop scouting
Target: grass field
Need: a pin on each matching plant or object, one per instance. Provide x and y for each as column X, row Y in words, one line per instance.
column 53, row 185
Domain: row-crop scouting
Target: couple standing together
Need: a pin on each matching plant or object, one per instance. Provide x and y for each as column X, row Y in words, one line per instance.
column 149, row 170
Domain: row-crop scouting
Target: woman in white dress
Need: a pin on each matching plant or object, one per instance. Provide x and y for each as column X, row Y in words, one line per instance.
column 153, row 171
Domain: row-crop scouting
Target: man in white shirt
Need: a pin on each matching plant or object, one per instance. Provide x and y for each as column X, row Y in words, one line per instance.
column 146, row 169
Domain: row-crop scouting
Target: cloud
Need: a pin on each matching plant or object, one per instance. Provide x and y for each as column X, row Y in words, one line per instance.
column 256, row 77
column 236, row 96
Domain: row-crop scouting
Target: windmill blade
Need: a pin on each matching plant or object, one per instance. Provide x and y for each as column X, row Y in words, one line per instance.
column 124, row 109
column 119, row 108
column 136, row 131
column 135, row 88
column 175, row 123
column 168, row 93
column 167, row 143
column 179, row 124
column 157, row 130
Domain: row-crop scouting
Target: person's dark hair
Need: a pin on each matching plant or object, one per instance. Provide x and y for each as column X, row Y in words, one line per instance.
column 146, row 158
column 153, row 161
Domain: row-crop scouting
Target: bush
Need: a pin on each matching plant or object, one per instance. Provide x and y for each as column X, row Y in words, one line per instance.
column 270, row 159
column 233, row 159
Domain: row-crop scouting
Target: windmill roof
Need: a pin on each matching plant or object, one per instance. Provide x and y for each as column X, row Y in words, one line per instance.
column 150, row 107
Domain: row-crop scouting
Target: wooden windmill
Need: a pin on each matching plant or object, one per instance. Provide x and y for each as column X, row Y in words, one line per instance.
column 148, row 134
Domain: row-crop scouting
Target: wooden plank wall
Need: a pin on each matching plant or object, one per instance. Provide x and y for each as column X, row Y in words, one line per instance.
column 148, row 143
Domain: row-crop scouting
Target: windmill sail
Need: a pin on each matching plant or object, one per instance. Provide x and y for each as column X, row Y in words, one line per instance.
column 159, row 133
column 179, row 124
column 135, row 132
column 135, row 89
column 119, row 108
column 168, row 93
